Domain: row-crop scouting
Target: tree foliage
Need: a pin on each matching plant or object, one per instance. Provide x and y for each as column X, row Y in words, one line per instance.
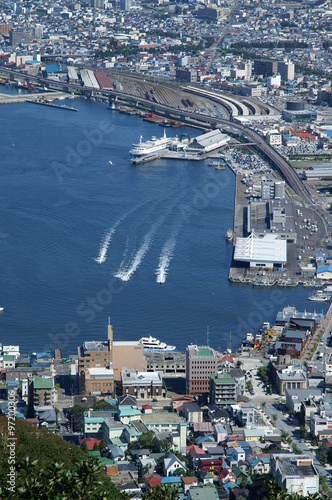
column 49, row 468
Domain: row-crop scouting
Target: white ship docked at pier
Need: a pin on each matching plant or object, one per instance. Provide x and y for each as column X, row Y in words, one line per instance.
column 150, row 147
column 151, row 344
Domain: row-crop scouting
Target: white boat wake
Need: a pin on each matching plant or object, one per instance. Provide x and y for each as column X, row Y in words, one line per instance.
column 164, row 260
column 105, row 244
column 126, row 274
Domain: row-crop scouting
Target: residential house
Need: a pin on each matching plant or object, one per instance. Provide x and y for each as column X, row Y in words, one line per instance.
column 192, row 412
column 295, row 397
column 226, row 476
column 259, row 465
column 203, row 493
column 221, row 431
column 188, row 482
column 152, row 481
column 147, row 465
column 218, row 415
column 248, row 414
column 321, row 423
column 172, row 464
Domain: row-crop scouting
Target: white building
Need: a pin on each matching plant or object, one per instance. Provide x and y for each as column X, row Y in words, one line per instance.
column 274, row 138
column 264, row 252
column 208, row 142
column 274, row 81
column 295, row 473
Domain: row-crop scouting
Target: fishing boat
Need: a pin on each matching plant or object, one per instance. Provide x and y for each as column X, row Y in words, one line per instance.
column 319, row 296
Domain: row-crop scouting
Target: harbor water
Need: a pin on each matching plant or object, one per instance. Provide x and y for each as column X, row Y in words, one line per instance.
column 82, row 241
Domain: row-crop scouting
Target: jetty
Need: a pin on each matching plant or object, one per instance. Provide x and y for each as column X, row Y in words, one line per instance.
column 51, row 105
column 13, row 99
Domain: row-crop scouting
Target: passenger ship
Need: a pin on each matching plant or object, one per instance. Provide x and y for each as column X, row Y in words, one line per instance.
column 150, row 147
column 154, row 345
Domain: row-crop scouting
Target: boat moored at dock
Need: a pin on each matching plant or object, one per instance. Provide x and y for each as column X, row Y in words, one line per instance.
column 150, row 147
column 319, row 296
column 151, row 344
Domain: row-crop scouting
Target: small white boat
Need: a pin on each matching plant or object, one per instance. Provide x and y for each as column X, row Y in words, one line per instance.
column 319, row 296
column 110, row 162
column 2, row 309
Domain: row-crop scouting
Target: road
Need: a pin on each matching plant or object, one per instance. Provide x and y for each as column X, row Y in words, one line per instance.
column 249, row 135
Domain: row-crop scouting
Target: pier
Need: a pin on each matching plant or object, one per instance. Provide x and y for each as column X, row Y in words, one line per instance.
column 13, row 99
column 58, row 106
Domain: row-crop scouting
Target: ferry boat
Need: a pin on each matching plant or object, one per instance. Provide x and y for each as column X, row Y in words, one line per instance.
column 319, row 296
column 229, row 235
column 152, row 344
column 150, row 147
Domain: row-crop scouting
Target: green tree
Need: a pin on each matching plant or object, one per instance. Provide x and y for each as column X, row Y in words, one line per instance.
column 321, row 454
column 84, row 447
column 164, row 492
column 102, row 445
column 303, row 431
column 274, row 417
column 100, row 405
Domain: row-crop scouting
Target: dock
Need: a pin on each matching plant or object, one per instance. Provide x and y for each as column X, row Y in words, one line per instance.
column 58, row 106
column 13, row 99
column 175, row 155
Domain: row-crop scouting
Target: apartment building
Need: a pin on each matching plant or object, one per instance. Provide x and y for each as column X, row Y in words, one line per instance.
column 222, row 389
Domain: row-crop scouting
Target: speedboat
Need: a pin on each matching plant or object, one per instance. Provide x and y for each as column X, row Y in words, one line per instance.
column 154, row 345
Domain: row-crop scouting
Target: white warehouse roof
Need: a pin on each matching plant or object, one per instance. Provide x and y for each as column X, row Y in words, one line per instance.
column 269, row 249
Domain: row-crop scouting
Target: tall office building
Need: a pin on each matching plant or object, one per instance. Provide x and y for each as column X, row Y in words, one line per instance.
column 125, row 5
column 265, row 68
column 16, row 37
column 286, row 70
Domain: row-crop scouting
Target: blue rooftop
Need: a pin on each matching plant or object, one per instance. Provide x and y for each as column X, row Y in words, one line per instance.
column 170, row 480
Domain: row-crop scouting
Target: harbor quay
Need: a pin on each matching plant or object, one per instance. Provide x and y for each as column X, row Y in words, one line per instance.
column 277, row 240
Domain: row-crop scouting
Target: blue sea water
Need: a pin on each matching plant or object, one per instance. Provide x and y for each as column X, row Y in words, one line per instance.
column 82, row 241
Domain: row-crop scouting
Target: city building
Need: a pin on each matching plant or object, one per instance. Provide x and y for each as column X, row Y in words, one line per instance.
column 222, row 389
column 100, row 363
column 286, row 70
column 267, row 252
column 295, row 473
column 274, row 81
column 19, row 36
column 188, row 75
column 265, row 68
column 40, row 392
column 291, row 377
column 207, row 142
column 212, row 13
column 201, row 362
column 142, row 385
